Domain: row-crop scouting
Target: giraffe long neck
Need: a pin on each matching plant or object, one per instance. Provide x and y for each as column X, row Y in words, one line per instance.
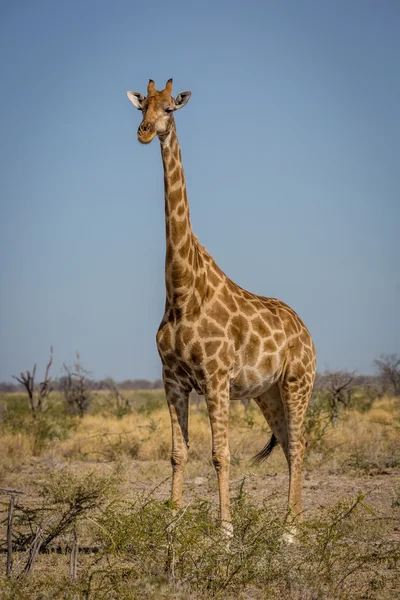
column 182, row 260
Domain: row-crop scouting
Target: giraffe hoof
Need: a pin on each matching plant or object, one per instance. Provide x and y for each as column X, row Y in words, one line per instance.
column 289, row 537
column 227, row 529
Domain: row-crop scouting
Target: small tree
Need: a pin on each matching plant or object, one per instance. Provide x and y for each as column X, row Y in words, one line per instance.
column 39, row 395
column 339, row 387
column 75, row 386
column 109, row 384
column 388, row 367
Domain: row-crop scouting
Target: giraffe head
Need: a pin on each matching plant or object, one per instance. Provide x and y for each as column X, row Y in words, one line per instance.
column 157, row 109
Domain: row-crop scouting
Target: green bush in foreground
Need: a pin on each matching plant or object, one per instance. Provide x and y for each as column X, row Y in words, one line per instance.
column 144, row 549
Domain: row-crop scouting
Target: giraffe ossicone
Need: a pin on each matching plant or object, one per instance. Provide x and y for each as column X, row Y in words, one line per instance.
column 217, row 338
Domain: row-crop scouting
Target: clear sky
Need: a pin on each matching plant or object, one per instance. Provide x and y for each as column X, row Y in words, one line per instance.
column 291, row 147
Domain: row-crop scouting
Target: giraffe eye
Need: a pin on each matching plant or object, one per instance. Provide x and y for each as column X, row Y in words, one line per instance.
column 168, row 109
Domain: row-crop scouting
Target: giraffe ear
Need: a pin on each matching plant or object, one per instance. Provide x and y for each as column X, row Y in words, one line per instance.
column 182, row 99
column 136, row 99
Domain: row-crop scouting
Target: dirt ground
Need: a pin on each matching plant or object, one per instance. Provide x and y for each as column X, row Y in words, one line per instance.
column 266, row 484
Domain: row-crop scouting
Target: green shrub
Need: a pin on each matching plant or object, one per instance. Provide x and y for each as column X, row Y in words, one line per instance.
column 146, row 549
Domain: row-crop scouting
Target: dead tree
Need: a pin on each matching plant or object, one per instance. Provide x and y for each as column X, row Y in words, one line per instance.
column 109, row 384
column 11, row 494
column 36, row 397
column 73, row 563
column 75, row 387
column 45, row 386
column 388, row 367
column 339, row 387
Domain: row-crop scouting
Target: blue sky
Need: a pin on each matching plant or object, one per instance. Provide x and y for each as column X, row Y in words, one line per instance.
column 290, row 143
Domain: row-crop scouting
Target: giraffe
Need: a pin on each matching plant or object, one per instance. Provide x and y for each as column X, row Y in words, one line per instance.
column 218, row 338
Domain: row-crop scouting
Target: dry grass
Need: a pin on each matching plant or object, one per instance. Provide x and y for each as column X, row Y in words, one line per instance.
column 370, row 437
column 366, row 441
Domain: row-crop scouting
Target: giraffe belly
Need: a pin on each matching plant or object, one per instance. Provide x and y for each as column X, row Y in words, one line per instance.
column 248, row 384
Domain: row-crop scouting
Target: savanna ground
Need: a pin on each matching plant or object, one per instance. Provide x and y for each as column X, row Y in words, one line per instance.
column 94, row 504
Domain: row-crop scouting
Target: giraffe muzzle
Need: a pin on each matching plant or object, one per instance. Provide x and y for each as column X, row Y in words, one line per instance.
column 146, row 132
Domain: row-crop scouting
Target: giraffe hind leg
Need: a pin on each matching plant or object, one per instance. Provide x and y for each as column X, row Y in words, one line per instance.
column 295, row 394
column 283, row 407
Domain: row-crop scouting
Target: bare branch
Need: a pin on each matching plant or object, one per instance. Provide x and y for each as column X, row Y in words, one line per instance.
column 73, row 564
column 339, row 386
column 76, row 387
column 28, row 381
column 388, row 367
column 9, row 536
column 45, row 387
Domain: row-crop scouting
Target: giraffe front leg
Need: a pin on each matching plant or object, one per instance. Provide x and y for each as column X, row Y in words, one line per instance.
column 178, row 402
column 217, row 398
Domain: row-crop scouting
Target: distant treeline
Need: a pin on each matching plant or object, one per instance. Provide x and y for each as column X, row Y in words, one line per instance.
column 322, row 380
column 107, row 383
column 340, row 386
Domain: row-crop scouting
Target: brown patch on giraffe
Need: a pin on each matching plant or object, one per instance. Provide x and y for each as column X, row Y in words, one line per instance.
column 255, row 302
column 193, row 306
column 191, row 316
column 294, row 373
column 184, row 249
column 187, row 335
column 175, row 154
column 253, row 349
column 227, row 299
column 270, row 316
column 269, row 346
column 279, row 337
column 178, row 231
column 175, row 196
column 181, row 276
column 238, row 330
column 180, row 373
column 169, row 255
column 196, row 354
column 201, row 285
column 296, row 347
column 166, row 154
column 164, row 340
column 248, row 309
column 208, row 329
column 211, row 365
column 175, row 176
column 266, row 364
column 220, row 314
column 211, row 347
column 260, row 326
column 225, row 354
column 181, row 210
column 213, row 278
column 169, row 360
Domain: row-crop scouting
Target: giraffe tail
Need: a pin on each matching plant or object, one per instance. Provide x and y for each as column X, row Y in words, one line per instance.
column 266, row 451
